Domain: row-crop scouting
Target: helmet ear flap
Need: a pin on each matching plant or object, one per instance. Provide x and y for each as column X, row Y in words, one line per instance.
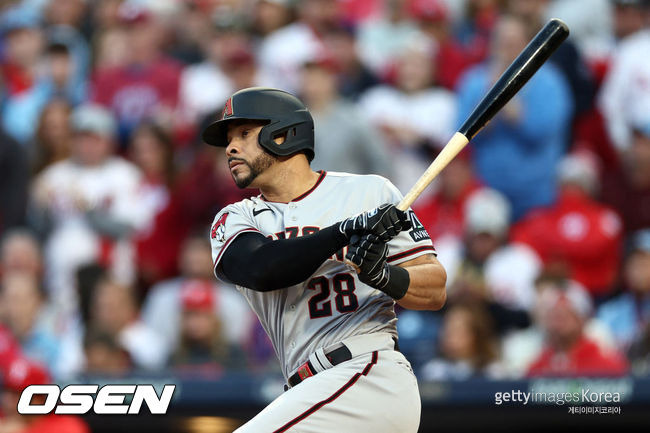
column 298, row 136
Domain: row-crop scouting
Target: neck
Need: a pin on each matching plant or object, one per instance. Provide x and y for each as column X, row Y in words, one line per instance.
column 287, row 179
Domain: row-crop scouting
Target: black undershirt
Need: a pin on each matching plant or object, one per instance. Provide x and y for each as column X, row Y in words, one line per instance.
column 261, row 264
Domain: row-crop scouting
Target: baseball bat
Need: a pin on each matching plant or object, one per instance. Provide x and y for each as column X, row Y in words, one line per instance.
column 538, row 50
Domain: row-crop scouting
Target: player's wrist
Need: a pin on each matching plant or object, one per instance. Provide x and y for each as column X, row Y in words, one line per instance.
column 392, row 280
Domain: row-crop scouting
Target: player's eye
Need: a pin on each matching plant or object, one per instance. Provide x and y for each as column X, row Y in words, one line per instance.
column 244, row 133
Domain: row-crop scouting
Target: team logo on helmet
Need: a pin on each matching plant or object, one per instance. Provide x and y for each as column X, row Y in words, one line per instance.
column 218, row 232
column 227, row 109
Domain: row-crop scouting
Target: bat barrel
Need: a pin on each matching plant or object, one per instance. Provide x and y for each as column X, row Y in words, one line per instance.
column 518, row 73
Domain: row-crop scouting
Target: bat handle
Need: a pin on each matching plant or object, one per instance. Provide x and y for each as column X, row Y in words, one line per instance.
column 457, row 142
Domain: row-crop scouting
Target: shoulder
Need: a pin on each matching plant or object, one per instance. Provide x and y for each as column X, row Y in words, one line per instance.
column 123, row 168
column 368, row 180
column 56, row 170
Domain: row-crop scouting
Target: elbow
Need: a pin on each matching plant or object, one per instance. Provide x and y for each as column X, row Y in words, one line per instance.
column 438, row 299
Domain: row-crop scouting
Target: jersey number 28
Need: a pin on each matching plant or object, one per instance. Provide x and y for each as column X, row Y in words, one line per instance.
column 345, row 300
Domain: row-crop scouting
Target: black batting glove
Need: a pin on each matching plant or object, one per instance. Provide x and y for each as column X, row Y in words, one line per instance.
column 385, row 222
column 369, row 254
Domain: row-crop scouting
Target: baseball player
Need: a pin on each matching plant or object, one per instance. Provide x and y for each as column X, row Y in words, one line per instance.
column 333, row 328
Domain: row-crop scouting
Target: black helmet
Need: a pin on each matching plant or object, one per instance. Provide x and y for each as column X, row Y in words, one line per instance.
column 284, row 113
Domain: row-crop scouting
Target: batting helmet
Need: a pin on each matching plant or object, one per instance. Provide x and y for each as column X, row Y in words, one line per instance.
column 284, row 113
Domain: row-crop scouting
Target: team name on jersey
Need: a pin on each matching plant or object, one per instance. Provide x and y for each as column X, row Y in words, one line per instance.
column 294, row 232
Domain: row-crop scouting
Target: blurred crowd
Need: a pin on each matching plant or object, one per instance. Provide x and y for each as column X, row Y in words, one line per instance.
column 107, row 192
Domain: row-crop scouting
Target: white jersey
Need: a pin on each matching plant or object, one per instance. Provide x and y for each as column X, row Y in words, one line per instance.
column 332, row 304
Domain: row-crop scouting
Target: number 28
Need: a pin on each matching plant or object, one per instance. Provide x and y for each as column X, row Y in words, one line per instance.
column 345, row 300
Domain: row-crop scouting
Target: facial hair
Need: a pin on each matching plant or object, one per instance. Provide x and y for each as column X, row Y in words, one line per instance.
column 255, row 168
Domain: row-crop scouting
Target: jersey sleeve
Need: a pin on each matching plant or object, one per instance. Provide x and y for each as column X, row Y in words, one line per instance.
column 229, row 223
column 409, row 244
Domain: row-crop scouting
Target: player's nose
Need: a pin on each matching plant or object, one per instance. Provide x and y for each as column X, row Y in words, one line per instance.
column 233, row 147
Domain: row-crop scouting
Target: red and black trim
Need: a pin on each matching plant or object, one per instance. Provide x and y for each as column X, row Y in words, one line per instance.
column 306, row 193
column 410, row 252
column 331, row 398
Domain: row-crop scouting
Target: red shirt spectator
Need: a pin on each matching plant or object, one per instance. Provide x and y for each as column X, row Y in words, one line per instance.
column 585, row 358
column 20, row 374
column 148, row 85
column 580, row 232
column 563, row 310
column 576, row 231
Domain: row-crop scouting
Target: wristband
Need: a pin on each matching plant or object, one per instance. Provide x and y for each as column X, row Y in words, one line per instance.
column 398, row 282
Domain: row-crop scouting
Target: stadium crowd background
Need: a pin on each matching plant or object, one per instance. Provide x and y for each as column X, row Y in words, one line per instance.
column 107, row 191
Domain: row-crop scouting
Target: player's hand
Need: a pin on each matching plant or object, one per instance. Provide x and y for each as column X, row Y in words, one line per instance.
column 369, row 254
column 385, row 222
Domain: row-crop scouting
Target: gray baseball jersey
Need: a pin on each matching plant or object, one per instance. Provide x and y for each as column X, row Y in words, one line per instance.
column 332, row 304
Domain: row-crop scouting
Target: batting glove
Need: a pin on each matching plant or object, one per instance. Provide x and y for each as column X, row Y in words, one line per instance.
column 369, row 254
column 385, row 222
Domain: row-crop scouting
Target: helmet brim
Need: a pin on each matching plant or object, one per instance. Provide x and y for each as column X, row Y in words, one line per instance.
column 216, row 133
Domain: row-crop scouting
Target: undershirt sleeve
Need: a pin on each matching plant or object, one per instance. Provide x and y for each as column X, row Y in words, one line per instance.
column 261, row 264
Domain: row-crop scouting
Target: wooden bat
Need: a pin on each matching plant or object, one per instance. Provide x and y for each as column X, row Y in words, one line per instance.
column 538, row 50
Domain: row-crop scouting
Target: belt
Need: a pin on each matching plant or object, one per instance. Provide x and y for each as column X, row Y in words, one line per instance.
column 335, row 357
column 306, row 370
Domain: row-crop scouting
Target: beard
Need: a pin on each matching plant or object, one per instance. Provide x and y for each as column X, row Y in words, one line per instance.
column 255, row 168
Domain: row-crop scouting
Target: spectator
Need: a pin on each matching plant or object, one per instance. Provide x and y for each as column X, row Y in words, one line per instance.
column 24, row 97
column 20, row 252
column 443, row 213
column 414, row 116
column 568, row 350
column 111, row 48
column 14, row 181
column 625, row 92
column 66, row 78
column 639, row 353
column 354, row 78
column 567, row 59
column 21, row 374
column 104, row 355
column 451, row 57
column 114, row 311
column 520, row 348
column 468, row 346
column 517, row 152
column 339, row 127
column 577, row 232
column 23, row 310
column 89, row 200
column 162, row 306
column 383, row 39
column 204, row 87
column 485, row 268
column 203, row 345
column 53, row 135
column 627, row 189
column 271, row 15
column 282, row 53
column 148, row 84
column 628, row 313
column 158, row 243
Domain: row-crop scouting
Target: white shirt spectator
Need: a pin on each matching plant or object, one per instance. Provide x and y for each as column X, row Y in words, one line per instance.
column 429, row 113
column 70, row 191
column 283, row 53
column 625, row 94
column 203, row 89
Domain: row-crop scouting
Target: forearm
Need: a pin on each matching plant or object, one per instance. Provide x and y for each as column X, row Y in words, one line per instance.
column 426, row 290
column 261, row 264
